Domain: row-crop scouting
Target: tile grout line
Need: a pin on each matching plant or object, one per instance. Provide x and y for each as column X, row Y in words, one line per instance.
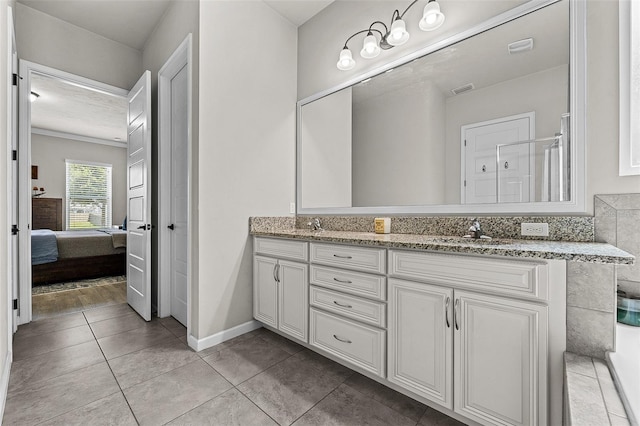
column 112, row 373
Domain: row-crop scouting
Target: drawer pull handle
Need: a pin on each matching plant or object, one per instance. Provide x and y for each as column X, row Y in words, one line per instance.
column 341, row 340
column 342, row 281
column 446, row 311
column 342, row 257
column 341, row 305
column 455, row 313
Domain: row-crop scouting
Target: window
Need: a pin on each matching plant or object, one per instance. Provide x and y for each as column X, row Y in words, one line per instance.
column 629, row 88
column 88, row 195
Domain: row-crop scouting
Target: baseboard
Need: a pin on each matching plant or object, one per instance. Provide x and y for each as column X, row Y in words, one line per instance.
column 224, row 335
column 4, row 382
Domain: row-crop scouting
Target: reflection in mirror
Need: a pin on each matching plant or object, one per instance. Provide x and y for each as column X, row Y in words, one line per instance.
column 429, row 132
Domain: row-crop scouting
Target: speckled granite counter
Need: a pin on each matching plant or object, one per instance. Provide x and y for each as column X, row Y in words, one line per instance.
column 575, row 251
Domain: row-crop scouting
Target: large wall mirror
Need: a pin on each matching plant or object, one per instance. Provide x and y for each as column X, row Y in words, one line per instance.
column 489, row 121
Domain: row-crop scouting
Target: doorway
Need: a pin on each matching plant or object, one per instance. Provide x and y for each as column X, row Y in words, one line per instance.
column 174, row 111
column 486, row 181
column 82, row 143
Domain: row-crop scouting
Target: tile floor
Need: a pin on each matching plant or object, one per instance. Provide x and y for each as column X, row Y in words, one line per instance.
column 106, row 366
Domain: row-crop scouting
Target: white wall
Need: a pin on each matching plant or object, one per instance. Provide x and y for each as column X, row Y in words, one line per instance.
column 545, row 93
column 326, row 153
column 49, row 154
column 180, row 19
column 401, row 164
column 246, row 150
column 49, row 41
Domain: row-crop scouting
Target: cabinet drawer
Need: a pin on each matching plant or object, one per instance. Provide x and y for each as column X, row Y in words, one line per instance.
column 373, row 313
column 505, row 277
column 359, row 344
column 358, row 258
column 367, row 285
column 281, row 248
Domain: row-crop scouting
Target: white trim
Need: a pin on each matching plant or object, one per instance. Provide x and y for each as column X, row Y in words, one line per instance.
column 11, row 135
column 74, row 137
column 180, row 58
column 578, row 81
column 27, row 68
column 629, row 19
column 4, row 381
column 223, row 336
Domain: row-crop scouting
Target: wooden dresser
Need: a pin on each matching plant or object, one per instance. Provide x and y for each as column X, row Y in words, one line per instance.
column 46, row 213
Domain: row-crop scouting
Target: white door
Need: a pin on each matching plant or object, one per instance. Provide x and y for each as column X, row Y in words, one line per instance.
column 13, row 178
column 265, row 290
column 420, row 357
column 516, row 168
column 179, row 195
column 500, row 362
column 293, row 298
column 139, row 197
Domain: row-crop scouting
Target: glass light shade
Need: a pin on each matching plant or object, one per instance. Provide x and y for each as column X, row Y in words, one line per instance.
column 370, row 48
column 398, row 34
column 346, row 61
column 432, row 18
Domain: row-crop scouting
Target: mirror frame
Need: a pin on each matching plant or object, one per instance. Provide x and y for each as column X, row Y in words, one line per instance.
column 577, row 85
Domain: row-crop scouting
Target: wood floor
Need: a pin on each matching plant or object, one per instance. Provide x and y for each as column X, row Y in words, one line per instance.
column 64, row 302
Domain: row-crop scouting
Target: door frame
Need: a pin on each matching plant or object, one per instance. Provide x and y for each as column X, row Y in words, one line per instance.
column 12, row 133
column 180, row 58
column 532, row 149
column 27, row 68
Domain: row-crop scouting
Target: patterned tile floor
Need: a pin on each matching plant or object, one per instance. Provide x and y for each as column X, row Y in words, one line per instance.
column 107, row 366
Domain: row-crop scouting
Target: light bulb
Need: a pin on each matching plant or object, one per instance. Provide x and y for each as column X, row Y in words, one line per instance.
column 398, row 34
column 370, row 48
column 432, row 18
column 346, row 61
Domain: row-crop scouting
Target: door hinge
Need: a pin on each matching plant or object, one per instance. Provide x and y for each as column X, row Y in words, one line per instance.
column 14, row 230
column 465, row 183
column 15, row 304
column 14, row 79
column 465, row 142
column 14, row 155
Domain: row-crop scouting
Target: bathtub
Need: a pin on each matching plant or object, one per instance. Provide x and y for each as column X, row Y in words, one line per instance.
column 624, row 364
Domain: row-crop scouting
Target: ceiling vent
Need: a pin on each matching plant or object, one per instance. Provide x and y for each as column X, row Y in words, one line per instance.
column 463, row 89
column 520, row 46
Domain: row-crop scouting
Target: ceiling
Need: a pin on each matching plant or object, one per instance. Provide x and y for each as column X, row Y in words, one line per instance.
column 67, row 108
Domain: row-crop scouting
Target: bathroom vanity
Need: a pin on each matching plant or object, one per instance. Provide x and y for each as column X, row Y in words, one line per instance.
column 464, row 326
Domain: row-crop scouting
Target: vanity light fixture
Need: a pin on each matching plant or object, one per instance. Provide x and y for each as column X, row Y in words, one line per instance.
column 395, row 35
column 33, row 96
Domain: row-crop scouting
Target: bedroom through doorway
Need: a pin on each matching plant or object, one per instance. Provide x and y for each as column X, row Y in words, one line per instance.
column 75, row 194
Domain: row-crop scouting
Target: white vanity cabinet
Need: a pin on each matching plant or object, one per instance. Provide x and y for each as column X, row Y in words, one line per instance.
column 281, row 286
column 482, row 355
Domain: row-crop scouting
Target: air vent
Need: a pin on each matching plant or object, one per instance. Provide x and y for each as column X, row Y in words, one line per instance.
column 520, row 46
column 463, row 89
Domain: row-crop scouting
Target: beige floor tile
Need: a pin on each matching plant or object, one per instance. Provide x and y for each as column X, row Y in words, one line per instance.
column 346, row 406
column 44, row 400
column 229, row 409
column 44, row 326
column 117, row 325
column 174, row 326
column 134, row 340
column 246, row 359
column 35, row 345
column 285, row 344
column 227, row 344
column 148, row 363
column 112, row 311
column 110, row 411
column 52, row 364
column 435, row 418
column 185, row 388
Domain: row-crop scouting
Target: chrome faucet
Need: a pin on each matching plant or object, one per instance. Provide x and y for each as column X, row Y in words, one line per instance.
column 315, row 224
column 476, row 229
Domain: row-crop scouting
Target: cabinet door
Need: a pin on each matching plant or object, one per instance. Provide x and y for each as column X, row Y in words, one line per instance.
column 420, row 339
column 265, row 291
column 293, row 296
column 500, row 360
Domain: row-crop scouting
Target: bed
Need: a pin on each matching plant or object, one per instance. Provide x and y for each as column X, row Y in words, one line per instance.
column 58, row 256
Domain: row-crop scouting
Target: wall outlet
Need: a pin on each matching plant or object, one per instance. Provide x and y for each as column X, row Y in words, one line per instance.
column 534, row 229
column 292, row 207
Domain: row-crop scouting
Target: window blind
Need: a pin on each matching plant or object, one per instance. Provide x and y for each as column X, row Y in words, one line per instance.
column 88, row 195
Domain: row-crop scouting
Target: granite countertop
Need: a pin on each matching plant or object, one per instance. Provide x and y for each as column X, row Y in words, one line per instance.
column 562, row 250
